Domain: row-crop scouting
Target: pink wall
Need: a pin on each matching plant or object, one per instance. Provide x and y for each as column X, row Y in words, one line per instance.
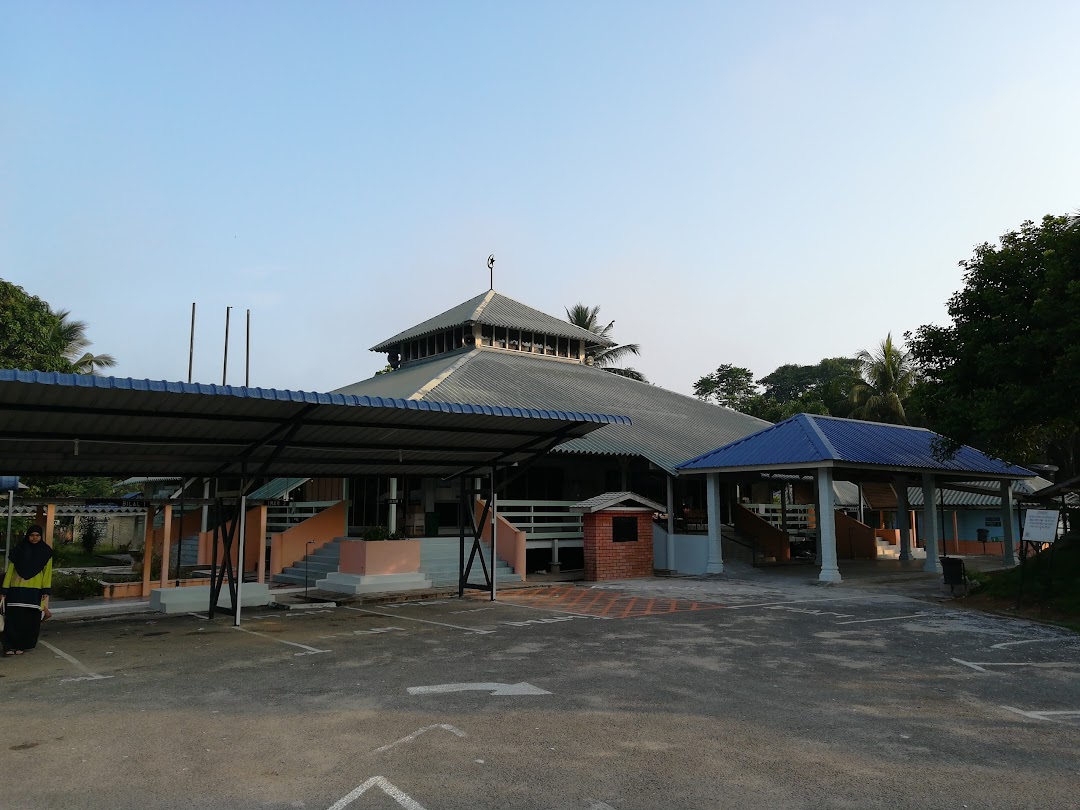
column 291, row 545
column 511, row 541
column 771, row 541
column 380, row 557
column 854, row 540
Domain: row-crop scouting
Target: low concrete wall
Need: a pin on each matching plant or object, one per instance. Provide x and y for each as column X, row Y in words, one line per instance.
column 691, row 551
column 382, row 557
column 124, row 590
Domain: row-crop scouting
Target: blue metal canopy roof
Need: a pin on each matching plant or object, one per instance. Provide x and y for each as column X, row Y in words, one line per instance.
column 74, row 424
column 809, row 440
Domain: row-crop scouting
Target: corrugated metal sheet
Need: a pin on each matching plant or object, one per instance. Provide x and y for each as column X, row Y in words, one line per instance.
column 276, row 488
column 809, row 439
column 81, row 425
column 494, row 309
column 665, row 427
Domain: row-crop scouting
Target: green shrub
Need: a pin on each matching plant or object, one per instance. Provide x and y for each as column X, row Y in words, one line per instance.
column 75, row 586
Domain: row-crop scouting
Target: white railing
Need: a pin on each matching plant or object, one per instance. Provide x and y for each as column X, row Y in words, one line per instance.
column 547, row 524
column 800, row 518
column 283, row 516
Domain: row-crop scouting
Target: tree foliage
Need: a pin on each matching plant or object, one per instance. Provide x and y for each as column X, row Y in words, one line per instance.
column 31, row 338
column 606, row 357
column 1004, row 373
column 886, row 380
column 34, row 337
column 730, row 386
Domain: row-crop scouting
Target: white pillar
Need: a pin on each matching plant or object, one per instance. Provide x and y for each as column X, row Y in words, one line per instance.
column 903, row 519
column 670, row 551
column 1009, row 543
column 715, row 564
column 931, row 529
column 826, row 520
column 242, row 529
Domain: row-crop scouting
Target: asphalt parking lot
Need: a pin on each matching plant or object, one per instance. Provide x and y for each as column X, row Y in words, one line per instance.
column 678, row 693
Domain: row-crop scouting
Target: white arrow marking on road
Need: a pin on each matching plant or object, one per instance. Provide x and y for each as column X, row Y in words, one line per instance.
column 383, row 784
column 1052, row 715
column 499, row 689
column 417, row 733
column 595, row 805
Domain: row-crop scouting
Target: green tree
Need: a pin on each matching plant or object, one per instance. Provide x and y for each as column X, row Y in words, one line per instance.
column 30, row 337
column 72, row 336
column 606, row 357
column 36, row 338
column 730, row 386
column 886, row 380
column 821, row 388
column 1003, row 375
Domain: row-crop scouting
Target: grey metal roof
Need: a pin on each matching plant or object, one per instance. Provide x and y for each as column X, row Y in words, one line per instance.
column 847, row 494
column 494, row 309
column 609, row 499
column 665, row 428
column 73, row 424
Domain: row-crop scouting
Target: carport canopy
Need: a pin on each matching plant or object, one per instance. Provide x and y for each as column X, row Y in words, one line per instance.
column 829, row 448
column 73, row 424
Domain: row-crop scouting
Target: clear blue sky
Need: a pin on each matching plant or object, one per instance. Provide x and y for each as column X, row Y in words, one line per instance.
column 753, row 183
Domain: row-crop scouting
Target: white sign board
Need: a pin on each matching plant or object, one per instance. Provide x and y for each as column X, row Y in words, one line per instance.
column 1040, row 525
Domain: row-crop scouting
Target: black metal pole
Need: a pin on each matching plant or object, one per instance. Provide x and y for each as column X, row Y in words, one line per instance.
column 461, row 536
column 225, row 366
column 191, row 344
column 247, row 353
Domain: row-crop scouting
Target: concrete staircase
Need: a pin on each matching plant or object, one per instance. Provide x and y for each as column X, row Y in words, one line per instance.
column 887, row 551
column 314, row 566
column 189, row 551
column 439, row 559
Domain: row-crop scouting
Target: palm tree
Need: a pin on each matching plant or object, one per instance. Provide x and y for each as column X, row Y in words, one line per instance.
column 71, row 335
column 90, row 363
column 588, row 318
column 886, row 379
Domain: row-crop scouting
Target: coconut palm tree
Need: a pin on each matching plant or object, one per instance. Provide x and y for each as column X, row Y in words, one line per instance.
column 71, row 334
column 606, row 357
column 886, row 379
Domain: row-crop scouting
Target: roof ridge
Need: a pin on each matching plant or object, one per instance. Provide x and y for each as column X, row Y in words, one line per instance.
column 433, row 383
column 818, row 438
column 487, row 300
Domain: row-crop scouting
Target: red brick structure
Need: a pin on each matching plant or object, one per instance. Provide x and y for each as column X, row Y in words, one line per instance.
column 618, row 536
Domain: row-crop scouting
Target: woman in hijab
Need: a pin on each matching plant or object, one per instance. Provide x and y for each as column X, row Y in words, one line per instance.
column 24, row 599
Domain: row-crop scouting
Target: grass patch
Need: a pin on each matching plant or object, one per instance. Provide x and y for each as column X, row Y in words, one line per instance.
column 73, row 555
column 76, row 586
column 1046, row 587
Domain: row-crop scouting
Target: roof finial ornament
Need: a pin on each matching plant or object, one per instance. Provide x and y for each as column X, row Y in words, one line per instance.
column 491, row 271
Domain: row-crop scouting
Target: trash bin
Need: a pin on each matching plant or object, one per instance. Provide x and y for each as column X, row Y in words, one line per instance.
column 953, row 570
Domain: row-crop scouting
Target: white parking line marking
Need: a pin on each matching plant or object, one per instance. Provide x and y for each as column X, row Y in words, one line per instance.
column 422, row 621
column 496, row 689
column 453, row 730
column 979, row 666
column 555, row 610
column 770, row 604
column 888, row 618
column 89, row 676
column 307, row 650
column 383, row 784
column 1048, row 715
